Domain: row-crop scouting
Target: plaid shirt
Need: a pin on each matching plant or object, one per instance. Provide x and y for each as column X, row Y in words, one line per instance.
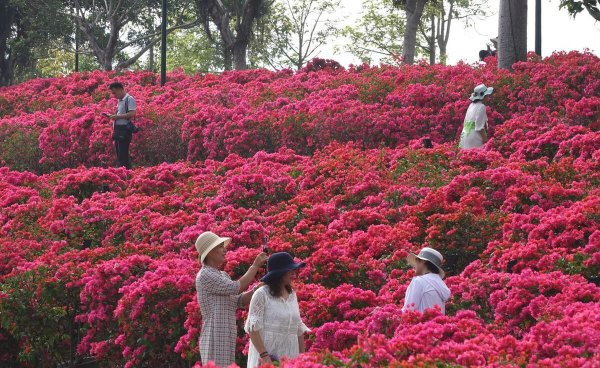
column 219, row 297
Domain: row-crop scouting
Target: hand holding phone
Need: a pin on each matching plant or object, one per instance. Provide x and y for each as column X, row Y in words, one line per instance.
column 265, row 248
column 106, row 114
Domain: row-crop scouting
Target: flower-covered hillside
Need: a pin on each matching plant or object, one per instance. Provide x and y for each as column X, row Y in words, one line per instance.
column 329, row 163
column 50, row 124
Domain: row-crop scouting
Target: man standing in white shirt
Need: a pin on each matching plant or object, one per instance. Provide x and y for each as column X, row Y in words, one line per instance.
column 122, row 125
column 426, row 289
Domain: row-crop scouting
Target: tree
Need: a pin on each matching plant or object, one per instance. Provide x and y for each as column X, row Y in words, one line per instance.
column 191, row 50
column 310, row 29
column 23, row 30
column 414, row 12
column 376, row 36
column 58, row 60
column 436, row 24
column 270, row 37
column 512, row 33
column 430, row 30
column 381, row 26
column 292, row 32
column 102, row 23
column 234, row 20
column 575, row 7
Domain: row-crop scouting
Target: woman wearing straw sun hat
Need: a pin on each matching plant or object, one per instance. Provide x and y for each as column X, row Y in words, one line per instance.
column 274, row 324
column 474, row 132
column 426, row 289
column 219, row 297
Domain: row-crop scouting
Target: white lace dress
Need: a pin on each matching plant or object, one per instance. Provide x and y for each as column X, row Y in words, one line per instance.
column 474, row 127
column 279, row 323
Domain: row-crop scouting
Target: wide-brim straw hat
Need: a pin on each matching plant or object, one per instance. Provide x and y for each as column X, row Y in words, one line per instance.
column 208, row 241
column 279, row 264
column 428, row 254
column 480, row 92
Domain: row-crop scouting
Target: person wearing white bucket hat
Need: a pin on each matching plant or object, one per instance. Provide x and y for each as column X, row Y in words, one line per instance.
column 219, row 297
column 474, row 132
column 426, row 289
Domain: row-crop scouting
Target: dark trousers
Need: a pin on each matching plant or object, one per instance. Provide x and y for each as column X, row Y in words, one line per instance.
column 122, row 137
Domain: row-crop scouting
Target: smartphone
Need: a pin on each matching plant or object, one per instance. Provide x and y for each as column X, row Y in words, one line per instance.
column 265, row 248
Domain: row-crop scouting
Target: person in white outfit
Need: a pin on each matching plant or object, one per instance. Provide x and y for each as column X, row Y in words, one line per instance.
column 274, row 324
column 427, row 289
column 474, row 132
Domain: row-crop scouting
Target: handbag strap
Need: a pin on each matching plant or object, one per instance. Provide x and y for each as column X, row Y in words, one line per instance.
column 127, row 107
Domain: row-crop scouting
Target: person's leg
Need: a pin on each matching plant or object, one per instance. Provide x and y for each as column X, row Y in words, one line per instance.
column 125, row 151
column 117, row 151
column 121, row 153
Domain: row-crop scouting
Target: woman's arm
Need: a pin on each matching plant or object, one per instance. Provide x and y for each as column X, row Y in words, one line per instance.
column 257, row 341
column 413, row 296
column 302, row 328
column 247, row 296
column 255, row 323
column 301, row 345
column 249, row 276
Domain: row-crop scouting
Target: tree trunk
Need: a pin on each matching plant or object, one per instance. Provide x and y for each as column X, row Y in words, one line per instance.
column 234, row 45
column 151, row 59
column 103, row 52
column 512, row 33
column 443, row 54
column 6, row 69
column 414, row 11
column 227, row 58
column 7, row 73
column 432, row 41
column 239, row 55
column 106, row 63
column 111, row 45
column 443, row 34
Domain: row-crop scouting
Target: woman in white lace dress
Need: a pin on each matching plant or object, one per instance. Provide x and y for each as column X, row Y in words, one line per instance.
column 274, row 324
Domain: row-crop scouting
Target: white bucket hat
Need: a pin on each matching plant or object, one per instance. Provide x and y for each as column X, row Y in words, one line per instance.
column 480, row 92
column 428, row 254
column 207, row 241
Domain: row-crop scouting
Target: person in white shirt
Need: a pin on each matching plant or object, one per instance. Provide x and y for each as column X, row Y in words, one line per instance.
column 474, row 132
column 426, row 289
column 122, row 122
column 274, row 324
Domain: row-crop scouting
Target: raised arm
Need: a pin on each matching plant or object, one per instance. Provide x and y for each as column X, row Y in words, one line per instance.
column 247, row 296
column 250, row 275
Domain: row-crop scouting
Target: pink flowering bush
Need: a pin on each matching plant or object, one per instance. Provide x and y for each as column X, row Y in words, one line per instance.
column 99, row 296
column 208, row 116
column 329, row 163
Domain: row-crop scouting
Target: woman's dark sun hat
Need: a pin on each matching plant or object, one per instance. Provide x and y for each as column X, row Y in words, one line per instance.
column 279, row 264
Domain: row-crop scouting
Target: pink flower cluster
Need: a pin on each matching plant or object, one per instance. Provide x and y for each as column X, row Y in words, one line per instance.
column 329, row 164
